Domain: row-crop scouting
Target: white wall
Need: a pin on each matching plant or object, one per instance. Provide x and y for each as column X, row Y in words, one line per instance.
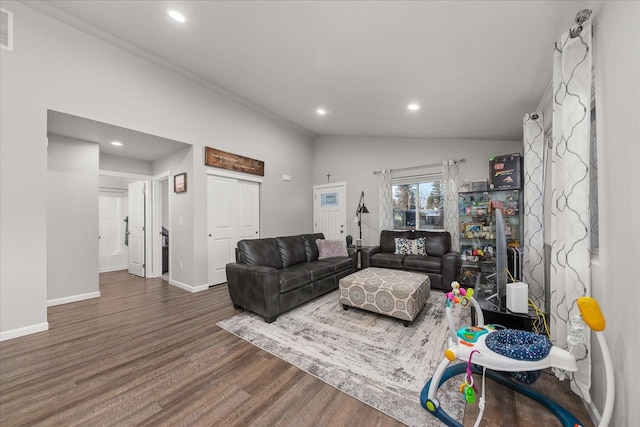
column 125, row 164
column 182, row 219
column 354, row 159
column 72, row 220
column 616, row 55
column 54, row 66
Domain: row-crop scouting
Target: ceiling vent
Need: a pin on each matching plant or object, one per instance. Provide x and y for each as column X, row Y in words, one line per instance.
column 6, row 29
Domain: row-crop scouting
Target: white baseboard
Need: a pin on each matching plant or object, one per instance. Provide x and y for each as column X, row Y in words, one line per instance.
column 110, row 269
column 27, row 330
column 73, row 298
column 192, row 289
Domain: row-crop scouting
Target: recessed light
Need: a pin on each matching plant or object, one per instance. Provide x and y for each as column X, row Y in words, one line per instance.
column 174, row 14
column 321, row 111
column 116, row 143
column 413, row 106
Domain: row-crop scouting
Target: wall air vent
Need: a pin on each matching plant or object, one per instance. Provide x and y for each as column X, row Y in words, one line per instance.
column 6, row 29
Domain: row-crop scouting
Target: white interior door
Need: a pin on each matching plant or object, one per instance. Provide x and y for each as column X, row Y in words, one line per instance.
column 159, row 200
column 330, row 210
column 233, row 214
column 249, row 211
column 136, row 224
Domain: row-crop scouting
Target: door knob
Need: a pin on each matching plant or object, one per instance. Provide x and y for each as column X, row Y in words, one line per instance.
column 209, row 234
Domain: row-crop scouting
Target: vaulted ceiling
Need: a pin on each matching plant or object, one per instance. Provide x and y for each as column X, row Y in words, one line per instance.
column 474, row 67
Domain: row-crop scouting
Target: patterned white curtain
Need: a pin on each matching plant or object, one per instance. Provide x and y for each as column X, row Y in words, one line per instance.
column 533, row 241
column 451, row 182
column 570, row 257
column 385, row 209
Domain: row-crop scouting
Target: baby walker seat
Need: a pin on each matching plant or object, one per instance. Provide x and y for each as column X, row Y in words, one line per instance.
column 507, row 350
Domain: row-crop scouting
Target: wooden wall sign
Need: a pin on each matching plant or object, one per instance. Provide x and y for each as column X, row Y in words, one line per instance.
column 234, row 162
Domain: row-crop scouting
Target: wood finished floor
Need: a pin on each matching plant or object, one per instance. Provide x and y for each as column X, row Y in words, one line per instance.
column 147, row 353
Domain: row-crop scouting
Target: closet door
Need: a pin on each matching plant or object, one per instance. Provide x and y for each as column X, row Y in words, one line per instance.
column 233, row 214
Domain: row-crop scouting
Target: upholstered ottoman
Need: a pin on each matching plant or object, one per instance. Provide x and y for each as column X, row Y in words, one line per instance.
column 396, row 293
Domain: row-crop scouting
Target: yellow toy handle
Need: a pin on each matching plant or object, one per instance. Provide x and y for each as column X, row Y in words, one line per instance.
column 591, row 313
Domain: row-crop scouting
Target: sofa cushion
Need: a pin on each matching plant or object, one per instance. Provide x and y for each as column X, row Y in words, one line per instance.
column 387, row 260
column 424, row 263
column 260, row 252
column 339, row 264
column 291, row 250
column 388, row 239
column 295, row 277
column 310, row 245
column 321, row 269
column 331, row 248
column 438, row 242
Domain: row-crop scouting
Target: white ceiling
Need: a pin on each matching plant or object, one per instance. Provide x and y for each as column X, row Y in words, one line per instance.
column 476, row 67
column 136, row 145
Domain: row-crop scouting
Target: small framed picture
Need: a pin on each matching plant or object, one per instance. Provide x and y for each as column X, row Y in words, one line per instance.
column 180, row 183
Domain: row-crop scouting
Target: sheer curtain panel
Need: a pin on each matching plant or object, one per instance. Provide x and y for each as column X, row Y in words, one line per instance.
column 533, row 241
column 451, row 182
column 385, row 208
column 570, row 248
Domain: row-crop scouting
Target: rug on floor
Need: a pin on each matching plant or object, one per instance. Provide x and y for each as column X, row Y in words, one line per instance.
column 371, row 357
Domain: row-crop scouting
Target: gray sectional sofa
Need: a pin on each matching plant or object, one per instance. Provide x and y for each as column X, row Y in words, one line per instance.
column 273, row 275
column 441, row 263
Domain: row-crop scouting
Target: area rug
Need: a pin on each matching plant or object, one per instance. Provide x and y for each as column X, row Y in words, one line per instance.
column 371, row 357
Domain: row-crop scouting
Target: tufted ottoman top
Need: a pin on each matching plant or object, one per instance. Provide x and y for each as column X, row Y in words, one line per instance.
column 397, row 293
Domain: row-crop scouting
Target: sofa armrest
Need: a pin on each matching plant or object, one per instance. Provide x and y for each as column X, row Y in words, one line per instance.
column 353, row 254
column 255, row 288
column 366, row 253
column 451, row 264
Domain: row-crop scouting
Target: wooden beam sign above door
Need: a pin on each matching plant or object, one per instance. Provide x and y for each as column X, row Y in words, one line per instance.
column 234, row 162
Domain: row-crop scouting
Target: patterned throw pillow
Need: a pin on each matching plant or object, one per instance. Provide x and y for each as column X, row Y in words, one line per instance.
column 331, row 248
column 403, row 246
column 411, row 246
column 420, row 247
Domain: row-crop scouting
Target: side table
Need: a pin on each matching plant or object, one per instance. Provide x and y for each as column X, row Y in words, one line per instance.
column 358, row 250
column 501, row 316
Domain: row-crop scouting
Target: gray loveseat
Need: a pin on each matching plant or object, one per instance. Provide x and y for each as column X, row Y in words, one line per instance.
column 441, row 263
column 273, row 275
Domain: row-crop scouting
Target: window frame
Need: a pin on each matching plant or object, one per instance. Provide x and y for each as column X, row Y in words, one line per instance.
column 418, row 180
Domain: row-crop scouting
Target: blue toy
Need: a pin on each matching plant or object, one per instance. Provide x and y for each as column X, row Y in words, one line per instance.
column 512, row 351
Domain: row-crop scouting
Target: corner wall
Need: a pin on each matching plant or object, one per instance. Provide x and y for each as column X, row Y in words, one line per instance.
column 616, row 54
column 72, row 220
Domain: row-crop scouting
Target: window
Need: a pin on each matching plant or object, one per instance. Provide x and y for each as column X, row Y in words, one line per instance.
column 417, row 205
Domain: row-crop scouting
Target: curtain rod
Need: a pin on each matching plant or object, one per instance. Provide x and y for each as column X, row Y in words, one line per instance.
column 420, row 166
